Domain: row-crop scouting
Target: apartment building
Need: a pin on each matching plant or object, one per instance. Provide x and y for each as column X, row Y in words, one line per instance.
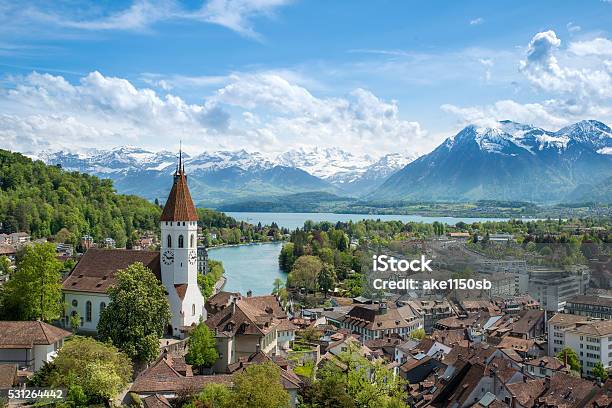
column 590, row 305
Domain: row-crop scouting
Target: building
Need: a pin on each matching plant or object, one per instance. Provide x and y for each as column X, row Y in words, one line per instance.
column 590, row 339
column 431, row 311
column 202, row 260
column 15, row 239
column 87, row 242
column 29, row 344
column 248, row 325
column 589, row 305
column 109, row 242
column 552, row 288
column 175, row 265
column 380, row 320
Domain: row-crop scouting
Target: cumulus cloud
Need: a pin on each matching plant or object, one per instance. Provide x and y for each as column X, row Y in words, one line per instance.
column 580, row 88
column 262, row 111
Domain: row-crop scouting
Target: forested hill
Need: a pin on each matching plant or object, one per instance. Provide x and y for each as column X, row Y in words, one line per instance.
column 43, row 199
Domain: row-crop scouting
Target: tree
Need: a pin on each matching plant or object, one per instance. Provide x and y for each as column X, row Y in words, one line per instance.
column 201, row 347
column 305, row 272
column 418, row 334
column 215, row 396
column 75, row 321
column 137, row 314
column 278, row 285
column 286, row 257
column 100, row 370
column 569, row 357
column 34, row 290
column 259, row 385
column 327, row 278
column 5, row 265
column 600, row 372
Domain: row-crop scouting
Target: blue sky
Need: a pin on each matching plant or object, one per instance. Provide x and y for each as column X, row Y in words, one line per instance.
column 367, row 76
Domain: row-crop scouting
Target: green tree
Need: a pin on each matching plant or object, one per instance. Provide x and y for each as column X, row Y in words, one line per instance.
column 286, row 257
column 207, row 282
column 278, row 285
column 99, row 369
column 5, row 265
column 569, row 357
column 418, row 334
column 600, row 372
column 215, row 396
column 201, row 347
column 258, row 386
column 75, row 321
column 137, row 314
column 305, row 272
column 327, row 278
column 34, row 290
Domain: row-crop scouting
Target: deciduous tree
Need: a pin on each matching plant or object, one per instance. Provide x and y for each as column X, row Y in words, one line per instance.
column 202, row 351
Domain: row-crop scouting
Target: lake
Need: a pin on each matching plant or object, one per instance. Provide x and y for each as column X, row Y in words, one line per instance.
column 295, row 220
column 253, row 266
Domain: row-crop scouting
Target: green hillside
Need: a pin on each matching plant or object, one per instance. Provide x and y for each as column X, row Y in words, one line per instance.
column 42, row 199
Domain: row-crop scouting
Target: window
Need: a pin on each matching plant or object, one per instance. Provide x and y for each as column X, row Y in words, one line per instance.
column 75, row 303
column 191, row 241
column 102, row 307
column 180, row 241
column 88, row 311
column 193, row 310
column 169, row 241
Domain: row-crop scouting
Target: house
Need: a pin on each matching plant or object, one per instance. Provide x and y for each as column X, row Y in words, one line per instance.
column 431, row 310
column 29, row 344
column 175, row 265
column 109, row 242
column 380, row 320
column 591, row 306
column 248, row 325
column 545, row 366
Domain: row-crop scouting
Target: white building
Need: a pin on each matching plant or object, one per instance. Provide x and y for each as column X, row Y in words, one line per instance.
column 175, row 265
column 553, row 288
column 590, row 339
column 30, row 344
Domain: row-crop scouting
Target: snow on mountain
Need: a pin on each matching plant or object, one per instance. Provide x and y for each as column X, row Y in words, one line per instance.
column 326, row 163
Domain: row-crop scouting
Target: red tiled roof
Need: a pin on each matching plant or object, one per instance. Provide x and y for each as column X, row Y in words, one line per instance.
column 181, row 289
column 96, row 270
column 179, row 205
column 25, row 334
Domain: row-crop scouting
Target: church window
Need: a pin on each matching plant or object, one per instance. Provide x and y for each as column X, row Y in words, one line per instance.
column 191, row 243
column 180, row 243
column 102, row 307
column 75, row 303
column 193, row 310
column 169, row 241
column 88, row 311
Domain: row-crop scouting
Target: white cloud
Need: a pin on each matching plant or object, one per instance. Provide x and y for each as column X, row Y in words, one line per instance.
column 142, row 15
column 573, row 28
column 580, row 88
column 596, row 46
column 261, row 111
column 477, row 21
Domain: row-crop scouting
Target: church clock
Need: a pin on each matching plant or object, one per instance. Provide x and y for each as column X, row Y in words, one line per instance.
column 168, row 257
column 193, row 257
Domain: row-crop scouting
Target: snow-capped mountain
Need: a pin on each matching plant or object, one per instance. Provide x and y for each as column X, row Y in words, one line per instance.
column 223, row 176
column 511, row 161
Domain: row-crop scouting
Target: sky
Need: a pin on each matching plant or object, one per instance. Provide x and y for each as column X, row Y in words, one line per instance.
column 369, row 77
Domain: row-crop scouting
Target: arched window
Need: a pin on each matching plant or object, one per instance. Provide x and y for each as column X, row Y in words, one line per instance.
column 169, row 241
column 88, row 311
column 180, row 241
column 191, row 241
column 193, row 310
column 102, row 307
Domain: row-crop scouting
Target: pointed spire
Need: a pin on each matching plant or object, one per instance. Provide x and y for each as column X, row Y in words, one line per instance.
column 179, row 205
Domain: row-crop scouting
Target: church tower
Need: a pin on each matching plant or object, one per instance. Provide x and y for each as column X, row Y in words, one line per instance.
column 179, row 255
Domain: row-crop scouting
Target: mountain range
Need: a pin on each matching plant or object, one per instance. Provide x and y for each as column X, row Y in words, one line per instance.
column 230, row 176
column 509, row 161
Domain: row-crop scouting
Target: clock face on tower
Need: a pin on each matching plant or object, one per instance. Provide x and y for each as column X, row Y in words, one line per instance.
column 168, row 257
column 193, row 257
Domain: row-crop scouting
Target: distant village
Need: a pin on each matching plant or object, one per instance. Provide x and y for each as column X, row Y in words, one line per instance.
column 540, row 337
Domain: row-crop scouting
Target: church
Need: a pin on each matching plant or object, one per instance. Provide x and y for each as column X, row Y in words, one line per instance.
column 175, row 265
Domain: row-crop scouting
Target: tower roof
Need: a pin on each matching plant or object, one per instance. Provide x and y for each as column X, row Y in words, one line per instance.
column 179, row 206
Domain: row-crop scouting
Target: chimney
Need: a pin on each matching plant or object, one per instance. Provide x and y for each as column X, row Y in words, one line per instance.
column 249, row 293
column 382, row 308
